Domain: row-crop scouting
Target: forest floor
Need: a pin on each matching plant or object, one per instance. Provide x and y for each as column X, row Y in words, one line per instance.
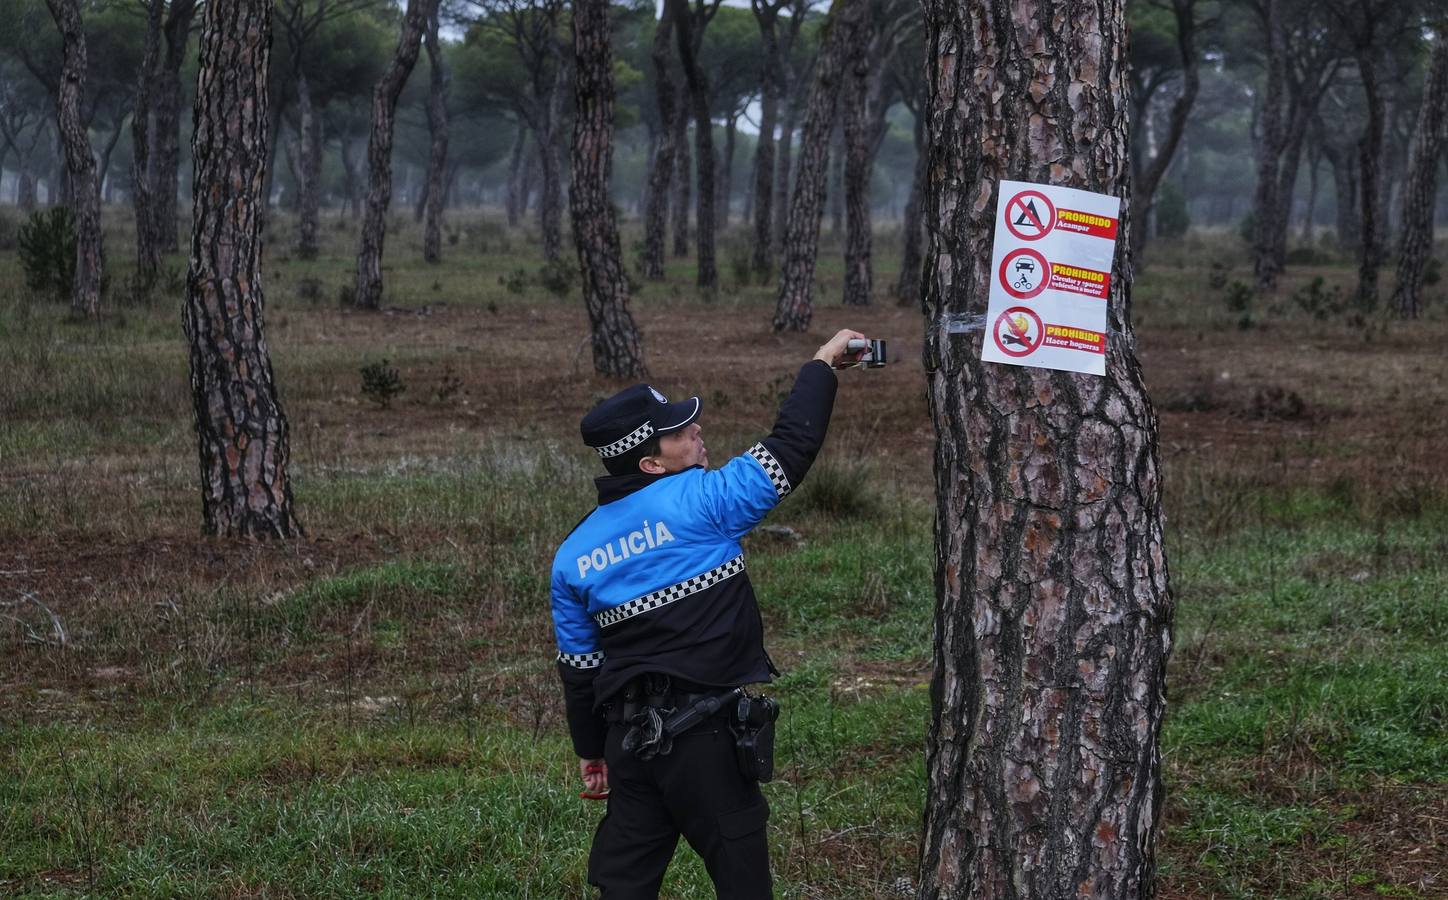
column 374, row 709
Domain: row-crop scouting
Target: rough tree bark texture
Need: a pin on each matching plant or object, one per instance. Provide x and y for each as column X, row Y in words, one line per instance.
column 683, row 177
column 83, row 194
column 1144, row 191
column 689, row 29
column 616, row 347
column 854, row 100
column 1054, row 616
column 1370, row 157
column 309, row 193
column 550, row 202
column 241, row 429
column 661, row 175
column 379, row 154
column 437, row 126
column 166, row 167
column 795, row 305
column 784, row 168
column 148, row 251
column 771, row 84
column 1420, row 194
column 907, row 289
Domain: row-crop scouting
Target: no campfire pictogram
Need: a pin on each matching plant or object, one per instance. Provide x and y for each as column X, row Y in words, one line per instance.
column 1024, row 273
column 1030, row 216
column 1018, row 331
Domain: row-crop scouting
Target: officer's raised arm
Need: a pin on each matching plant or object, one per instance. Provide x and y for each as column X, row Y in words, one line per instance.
column 739, row 496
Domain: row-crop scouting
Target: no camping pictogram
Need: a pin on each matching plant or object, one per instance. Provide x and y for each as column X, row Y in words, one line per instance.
column 1018, row 331
column 1024, row 273
column 1030, row 216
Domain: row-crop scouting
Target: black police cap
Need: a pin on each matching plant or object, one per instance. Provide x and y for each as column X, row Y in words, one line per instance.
column 632, row 416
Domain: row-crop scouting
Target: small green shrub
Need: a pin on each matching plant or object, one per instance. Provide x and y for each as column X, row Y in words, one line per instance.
column 380, row 383
column 515, row 281
column 557, row 278
column 9, row 232
column 1319, row 301
column 47, row 251
column 1172, row 217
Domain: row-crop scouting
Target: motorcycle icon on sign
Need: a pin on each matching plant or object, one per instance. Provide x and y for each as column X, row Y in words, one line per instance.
column 1024, row 273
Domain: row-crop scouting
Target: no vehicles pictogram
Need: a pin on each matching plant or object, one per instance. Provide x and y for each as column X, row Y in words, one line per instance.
column 1024, row 273
column 1030, row 216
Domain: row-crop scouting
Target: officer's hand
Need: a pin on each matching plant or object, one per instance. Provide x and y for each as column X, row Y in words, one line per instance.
column 834, row 351
column 595, row 775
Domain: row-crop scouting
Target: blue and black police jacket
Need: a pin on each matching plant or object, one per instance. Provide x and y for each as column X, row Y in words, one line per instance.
column 654, row 579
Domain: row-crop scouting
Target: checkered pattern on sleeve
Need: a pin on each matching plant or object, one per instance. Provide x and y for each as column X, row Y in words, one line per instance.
column 668, row 595
column 627, row 442
column 582, row 660
column 771, row 466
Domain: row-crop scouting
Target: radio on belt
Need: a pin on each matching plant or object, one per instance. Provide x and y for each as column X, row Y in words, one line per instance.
column 874, row 356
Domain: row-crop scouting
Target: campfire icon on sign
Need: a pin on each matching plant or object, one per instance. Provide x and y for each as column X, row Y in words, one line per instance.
column 1018, row 331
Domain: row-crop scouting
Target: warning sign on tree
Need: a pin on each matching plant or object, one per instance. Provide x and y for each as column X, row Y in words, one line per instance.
column 1052, row 262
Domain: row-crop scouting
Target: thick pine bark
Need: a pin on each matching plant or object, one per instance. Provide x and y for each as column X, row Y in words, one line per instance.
column 689, row 29
column 309, row 182
column 835, row 191
column 661, row 174
column 795, row 305
column 725, row 193
column 1420, row 193
column 1370, row 160
column 148, row 251
column 1144, row 190
column 854, row 94
column 379, row 154
column 1054, row 615
column 1345, row 173
column 771, row 86
column 683, row 178
column 550, row 203
column 907, row 289
column 166, row 166
column 437, row 126
column 83, row 194
column 241, row 429
column 617, row 350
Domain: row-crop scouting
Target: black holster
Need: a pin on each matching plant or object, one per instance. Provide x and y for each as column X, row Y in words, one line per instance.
column 753, row 727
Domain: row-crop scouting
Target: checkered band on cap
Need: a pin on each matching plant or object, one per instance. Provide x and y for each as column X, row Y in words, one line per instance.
column 772, row 468
column 582, row 660
column 627, row 442
column 671, row 593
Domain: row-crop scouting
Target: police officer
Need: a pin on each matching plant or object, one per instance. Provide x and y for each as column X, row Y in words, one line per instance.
column 654, row 615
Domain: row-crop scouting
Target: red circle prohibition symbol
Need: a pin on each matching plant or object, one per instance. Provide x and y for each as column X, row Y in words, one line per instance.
column 1024, row 273
column 1030, row 216
column 1013, row 339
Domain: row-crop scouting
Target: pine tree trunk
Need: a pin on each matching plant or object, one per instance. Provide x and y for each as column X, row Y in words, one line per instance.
column 856, row 140
column 241, row 428
column 783, row 169
column 661, row 174
column 166, row 166
column 80, row 162
column 309, row 170
column 148, row 251
column 1269, row 151
column 1152, row 173
column 1370, row 156
column 1314, row 163
column 683, row 178
column 761, row 259
column 515, row 199
column 617, row 350
column 907, row 289
column 690, row 34
column 437, row 126
column 1054, row 614
column 726, row 177
column 550, row 205
column 1345, row 188
column 795, row 306
column 1420, row 194
column 835, row 192
column 26, row 192
column 379, row 154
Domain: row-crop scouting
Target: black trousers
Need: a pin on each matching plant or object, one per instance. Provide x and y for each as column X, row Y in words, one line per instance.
column 697, row 791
